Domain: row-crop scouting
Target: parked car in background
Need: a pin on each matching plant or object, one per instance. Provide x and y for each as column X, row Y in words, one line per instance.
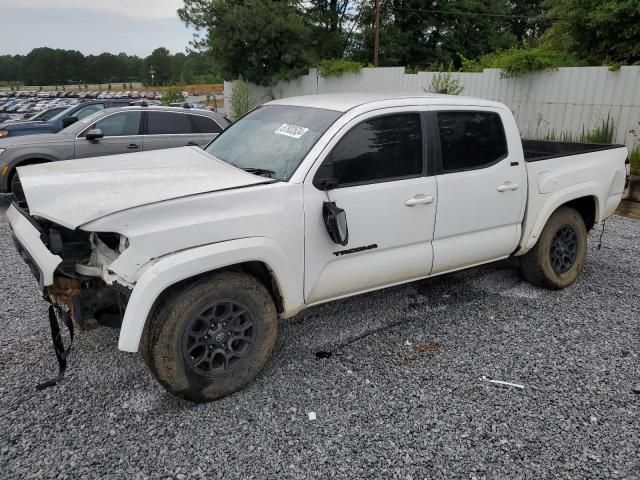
column 48, row 114
column 42, row 116
column 60, row 121
column 109, row 132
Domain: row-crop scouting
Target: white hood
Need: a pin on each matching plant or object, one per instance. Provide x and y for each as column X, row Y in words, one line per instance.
column 74, row 192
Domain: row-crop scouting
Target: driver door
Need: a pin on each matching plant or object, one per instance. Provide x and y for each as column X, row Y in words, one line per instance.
column 121, row 132
column 379, row 163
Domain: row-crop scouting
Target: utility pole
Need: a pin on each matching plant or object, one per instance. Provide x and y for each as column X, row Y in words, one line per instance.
column 152, row 72
column 376, row 33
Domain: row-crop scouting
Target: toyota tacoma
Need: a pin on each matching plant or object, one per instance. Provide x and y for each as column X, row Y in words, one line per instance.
column 195, row 255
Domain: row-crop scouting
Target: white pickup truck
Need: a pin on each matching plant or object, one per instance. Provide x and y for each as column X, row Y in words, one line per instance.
column 196, row 254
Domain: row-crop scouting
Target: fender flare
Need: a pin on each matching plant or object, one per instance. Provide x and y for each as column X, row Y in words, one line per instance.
column 169, row 270
column 556, row 200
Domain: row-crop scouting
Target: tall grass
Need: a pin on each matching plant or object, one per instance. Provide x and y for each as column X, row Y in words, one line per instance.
column 634, row 158
column 603, row 133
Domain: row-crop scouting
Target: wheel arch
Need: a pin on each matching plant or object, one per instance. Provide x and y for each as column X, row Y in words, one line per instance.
column 256, row 268
column 581, row 197
column 259, row 257
column 587, row 207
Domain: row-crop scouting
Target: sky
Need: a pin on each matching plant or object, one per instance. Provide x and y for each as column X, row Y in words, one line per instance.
column 131, row 26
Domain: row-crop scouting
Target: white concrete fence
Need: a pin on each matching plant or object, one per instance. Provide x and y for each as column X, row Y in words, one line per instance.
column 563, row 100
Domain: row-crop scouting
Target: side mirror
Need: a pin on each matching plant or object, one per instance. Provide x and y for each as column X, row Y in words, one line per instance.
column 94, row 134
column 66, row 121
column 335, row 220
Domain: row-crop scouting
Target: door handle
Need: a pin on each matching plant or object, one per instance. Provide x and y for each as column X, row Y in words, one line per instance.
column 133, row 146
column 507, row 186
column 192, row 144
column 420, row 199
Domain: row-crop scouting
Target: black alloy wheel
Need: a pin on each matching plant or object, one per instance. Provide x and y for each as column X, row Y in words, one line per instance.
column 564, row 249
column 219, row 337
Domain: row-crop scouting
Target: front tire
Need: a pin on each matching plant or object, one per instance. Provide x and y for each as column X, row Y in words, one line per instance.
column 559, row 255
column 212, row 338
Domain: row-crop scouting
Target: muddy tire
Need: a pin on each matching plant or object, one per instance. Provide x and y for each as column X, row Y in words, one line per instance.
column 212, row 337
column 559, row 255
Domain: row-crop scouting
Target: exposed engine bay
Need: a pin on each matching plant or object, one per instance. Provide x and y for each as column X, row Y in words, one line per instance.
column 78, row 287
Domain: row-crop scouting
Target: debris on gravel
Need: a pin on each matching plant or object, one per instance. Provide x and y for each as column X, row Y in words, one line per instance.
column 391, row 378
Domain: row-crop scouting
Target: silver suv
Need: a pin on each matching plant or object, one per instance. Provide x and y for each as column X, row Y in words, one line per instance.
column 110, row 132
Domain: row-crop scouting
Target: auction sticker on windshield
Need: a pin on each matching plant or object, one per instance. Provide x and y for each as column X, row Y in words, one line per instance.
column 293, row 131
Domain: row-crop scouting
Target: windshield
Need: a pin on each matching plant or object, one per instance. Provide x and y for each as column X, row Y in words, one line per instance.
column 63, row 113
column 47, row 114
column 272, row 137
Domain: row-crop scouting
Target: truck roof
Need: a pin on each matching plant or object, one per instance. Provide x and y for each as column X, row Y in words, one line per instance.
column 343, row 102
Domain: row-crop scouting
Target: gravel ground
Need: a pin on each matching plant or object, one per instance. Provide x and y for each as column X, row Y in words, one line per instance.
column 401, row 396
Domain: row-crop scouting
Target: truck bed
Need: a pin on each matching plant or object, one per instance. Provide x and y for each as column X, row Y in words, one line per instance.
column 536, row 150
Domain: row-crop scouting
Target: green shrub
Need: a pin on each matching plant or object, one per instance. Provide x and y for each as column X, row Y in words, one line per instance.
column 518, row 61
column 242, row 99
column 172, row 94
column 446, row 82
column 336, row 67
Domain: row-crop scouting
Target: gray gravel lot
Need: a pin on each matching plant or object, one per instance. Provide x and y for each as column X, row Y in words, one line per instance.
column 400, row 396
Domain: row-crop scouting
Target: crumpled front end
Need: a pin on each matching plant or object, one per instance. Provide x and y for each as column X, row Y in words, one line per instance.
column 71, row 266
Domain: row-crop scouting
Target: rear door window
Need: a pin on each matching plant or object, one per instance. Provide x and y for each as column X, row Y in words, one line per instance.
column 470, row 140
column 168, row 123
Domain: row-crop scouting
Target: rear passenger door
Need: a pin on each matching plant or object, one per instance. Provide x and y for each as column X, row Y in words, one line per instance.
column 166, row 129
column 481, row 186
column 121, row 132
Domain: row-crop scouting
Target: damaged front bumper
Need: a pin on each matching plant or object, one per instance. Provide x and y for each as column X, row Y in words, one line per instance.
column 28, row 241
column 73, row 281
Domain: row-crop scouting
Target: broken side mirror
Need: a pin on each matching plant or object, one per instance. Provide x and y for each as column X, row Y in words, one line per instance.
column 66, row 121
column 335, row 220
column 94, row 134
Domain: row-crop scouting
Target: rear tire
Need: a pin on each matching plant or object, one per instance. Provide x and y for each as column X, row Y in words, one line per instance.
column 558, row 257
column 212, row 338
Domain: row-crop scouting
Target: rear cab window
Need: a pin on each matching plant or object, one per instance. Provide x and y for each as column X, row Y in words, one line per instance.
column 470, row 139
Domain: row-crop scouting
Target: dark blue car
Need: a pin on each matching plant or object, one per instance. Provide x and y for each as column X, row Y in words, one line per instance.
column 60, row 121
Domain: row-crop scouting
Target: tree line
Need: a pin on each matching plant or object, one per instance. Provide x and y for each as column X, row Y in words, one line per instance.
column 268, row 40
column 264, row 41
column 48, row 66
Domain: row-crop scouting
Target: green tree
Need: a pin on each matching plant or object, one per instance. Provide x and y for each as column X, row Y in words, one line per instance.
column 262, row 40
column 418, row 34
column 160, row 60
column 328, row 21
column 529, row 19
column 597, row 31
